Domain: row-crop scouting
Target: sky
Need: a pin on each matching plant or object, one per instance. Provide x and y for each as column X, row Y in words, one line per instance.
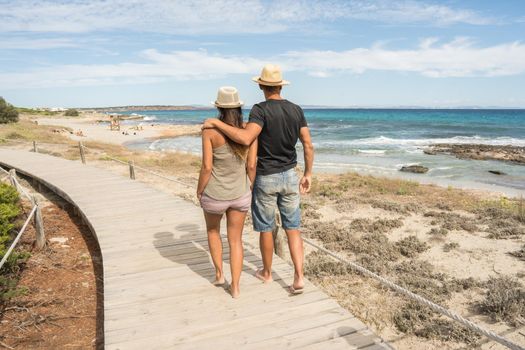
column 362, row 53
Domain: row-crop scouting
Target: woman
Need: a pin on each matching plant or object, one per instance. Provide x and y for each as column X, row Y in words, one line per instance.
column 228, row 170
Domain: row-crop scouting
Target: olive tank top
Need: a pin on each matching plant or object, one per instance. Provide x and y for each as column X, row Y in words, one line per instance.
column 229, row 179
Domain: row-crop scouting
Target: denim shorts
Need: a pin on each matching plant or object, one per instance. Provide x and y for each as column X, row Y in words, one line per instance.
column 273, row 191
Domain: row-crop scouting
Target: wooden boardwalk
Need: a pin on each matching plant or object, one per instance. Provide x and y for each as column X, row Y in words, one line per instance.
column 157, row 273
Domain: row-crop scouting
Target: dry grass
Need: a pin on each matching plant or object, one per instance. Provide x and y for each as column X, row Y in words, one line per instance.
column 447, row 247
column 26, row 130
column 452, row 221
column 438, row 231
column 168, row 162
column 520, row 254
column 504, row 300
column 411, row 246
column 373, row 226
column 400, row 208
column 319, row 265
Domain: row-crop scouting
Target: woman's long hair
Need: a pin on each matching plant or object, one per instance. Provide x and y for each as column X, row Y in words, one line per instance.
column 233, row 117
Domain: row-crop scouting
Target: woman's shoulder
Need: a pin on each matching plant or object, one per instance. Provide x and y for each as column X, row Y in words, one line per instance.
column 210, row 133
column 214, row 135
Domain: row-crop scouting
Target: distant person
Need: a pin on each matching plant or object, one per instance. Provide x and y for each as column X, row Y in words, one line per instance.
column 277, row 124
column 228, row 169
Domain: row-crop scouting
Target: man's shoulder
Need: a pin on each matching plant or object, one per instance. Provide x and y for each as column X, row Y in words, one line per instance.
column 295, row 106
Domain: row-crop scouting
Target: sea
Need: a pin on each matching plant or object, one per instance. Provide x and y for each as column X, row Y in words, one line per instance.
column 380, row 141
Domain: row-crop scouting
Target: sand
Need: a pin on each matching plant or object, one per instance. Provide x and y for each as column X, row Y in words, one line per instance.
column 95, row 127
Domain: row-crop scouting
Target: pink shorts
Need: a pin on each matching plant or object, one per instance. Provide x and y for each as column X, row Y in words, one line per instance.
column 215, row 206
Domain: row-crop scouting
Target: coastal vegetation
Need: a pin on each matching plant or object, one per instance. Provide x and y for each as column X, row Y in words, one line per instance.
column 71, row 113
column 407, row 232
column 36, row 111
column 10, row 210
column 8, row 113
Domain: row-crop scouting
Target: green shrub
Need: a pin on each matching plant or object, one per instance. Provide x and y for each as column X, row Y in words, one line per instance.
column 8, row 113
column 9, row 210
column 71, row 113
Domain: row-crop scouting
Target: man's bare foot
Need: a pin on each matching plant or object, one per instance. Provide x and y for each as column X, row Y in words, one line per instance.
column 298, row 282
column 265, row 277
column 294, row 291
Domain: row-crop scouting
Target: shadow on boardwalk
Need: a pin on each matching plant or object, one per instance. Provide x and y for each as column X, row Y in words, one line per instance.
column 191, row 249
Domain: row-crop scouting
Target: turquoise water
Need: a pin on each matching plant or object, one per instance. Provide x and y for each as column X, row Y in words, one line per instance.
column 380, row 141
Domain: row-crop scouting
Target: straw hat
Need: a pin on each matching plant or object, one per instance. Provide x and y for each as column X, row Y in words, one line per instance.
column 271, row 76
column 228, row 97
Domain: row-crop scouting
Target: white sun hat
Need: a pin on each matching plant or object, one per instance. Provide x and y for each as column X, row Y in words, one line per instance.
column 271, row 75
column 228, row 97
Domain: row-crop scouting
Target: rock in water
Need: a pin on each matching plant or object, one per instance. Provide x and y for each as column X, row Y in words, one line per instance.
column 497, row 172
column 417, row 169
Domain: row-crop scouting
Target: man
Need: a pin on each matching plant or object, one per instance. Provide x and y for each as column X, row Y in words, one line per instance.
column 277, row 124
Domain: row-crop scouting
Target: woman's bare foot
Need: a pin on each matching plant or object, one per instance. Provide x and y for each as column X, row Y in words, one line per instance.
column 234, row 291
column 219, row 279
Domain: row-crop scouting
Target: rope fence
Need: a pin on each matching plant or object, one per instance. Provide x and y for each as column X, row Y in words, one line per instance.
column 385, row 282
column 133, row 166
column 31, row 214
column 38, row 220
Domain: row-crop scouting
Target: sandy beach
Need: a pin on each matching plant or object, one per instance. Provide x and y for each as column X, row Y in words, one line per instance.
column 463, row 249
column 96, row 127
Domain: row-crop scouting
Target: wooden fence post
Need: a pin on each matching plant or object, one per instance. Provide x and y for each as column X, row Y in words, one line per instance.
column 82, row 155
column 12, row 178
column 34, row 147
column 131, row 170
column 39, row 226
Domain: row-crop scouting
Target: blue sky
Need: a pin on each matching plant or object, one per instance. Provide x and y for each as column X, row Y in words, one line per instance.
column 368, row 53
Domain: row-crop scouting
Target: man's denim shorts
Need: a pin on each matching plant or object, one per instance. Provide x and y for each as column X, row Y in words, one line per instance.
column 279, row 190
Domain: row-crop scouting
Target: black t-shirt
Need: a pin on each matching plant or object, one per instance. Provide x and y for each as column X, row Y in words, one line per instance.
column 281, row 121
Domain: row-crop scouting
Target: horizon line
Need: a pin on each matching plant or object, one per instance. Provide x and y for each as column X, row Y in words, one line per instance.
column 204, row 107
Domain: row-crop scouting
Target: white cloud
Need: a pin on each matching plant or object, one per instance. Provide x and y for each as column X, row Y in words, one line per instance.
column 178, row 65
column 416, row 12
column 215, row 16
column 36, row 44
column 458, row 58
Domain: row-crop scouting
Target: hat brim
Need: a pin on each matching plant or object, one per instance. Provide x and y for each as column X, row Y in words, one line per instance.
column 268, row 83
column 237, row 105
